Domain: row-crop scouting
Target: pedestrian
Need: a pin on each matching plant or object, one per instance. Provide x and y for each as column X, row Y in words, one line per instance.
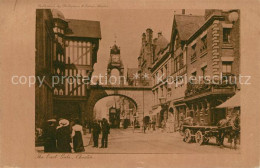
column 105, row 132
column 49, row 135
column 96, row 131
column 76, row 135
column 63, row 136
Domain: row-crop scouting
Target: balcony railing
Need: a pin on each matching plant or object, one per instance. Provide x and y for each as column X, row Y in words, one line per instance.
column 195, row 89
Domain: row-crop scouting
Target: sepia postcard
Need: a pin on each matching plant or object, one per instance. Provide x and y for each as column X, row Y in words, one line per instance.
column 129, row 84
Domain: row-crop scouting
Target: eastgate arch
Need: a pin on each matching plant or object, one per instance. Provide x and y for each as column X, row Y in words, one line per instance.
column 140, row 95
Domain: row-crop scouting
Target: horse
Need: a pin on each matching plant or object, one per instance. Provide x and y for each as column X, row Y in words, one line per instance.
column 234, row 133
column 230, row 128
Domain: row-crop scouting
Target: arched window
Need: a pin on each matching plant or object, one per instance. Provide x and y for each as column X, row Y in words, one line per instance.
column 55, row 91
column 61, row 92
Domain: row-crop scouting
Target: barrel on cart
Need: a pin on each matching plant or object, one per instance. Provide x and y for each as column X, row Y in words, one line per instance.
column 201, row 134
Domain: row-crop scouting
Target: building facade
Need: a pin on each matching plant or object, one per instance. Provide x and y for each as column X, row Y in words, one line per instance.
column 213, row 55
column 200, row 47
column 45, row 52
column 70, row 49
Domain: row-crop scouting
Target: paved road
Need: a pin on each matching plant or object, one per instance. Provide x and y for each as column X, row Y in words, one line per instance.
column 126, row 141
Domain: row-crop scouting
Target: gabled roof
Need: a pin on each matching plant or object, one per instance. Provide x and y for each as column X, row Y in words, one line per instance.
column 160, row 43
column 84, row 28
column 188, row 24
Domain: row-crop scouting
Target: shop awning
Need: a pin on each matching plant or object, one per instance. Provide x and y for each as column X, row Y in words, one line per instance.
column 232, row 102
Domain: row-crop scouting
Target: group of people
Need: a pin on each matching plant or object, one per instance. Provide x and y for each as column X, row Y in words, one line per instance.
column 67, row 137
column 97, row 128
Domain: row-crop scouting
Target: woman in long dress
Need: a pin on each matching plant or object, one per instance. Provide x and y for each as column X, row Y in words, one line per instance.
column 63, row 136
column 77, row 133
column 49, row 134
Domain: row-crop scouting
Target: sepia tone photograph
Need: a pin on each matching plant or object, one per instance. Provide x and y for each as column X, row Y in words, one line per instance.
column 137, row 81
column 143, row 84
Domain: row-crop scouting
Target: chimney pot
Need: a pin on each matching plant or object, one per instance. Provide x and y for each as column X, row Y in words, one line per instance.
column 183, row 11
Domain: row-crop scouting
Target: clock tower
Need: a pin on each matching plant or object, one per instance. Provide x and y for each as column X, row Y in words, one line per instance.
column 115, row 62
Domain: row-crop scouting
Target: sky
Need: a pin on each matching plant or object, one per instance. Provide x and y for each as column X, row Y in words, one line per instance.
column 127, row 25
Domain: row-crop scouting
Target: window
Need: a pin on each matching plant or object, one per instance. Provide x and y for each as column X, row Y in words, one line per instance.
column 166, row 69
column 204, row 44
column 226, row 35
column 162, row 72
column 161, row 91
column 226, row 67
column 172, row 65
column 175, row 65
column 193, row 77
column 193, row 55
column 181, row 61
column 204, row 70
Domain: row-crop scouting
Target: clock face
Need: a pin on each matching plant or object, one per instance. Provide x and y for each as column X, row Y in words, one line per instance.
column 115, row 58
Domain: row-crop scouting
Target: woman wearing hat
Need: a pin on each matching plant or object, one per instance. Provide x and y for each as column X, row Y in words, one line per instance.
column 76, row 135
column 63, row 136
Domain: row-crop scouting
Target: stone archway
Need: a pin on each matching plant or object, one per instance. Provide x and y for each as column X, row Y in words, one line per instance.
column 141, row 97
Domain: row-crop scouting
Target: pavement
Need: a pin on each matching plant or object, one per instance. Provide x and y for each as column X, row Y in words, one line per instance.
column 132, row 141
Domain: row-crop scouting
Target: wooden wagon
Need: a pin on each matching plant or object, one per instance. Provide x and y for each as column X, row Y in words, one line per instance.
column 201, row 134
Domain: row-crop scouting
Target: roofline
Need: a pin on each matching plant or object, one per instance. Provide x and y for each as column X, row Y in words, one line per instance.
column 189, row 15
column 85, row 20
column 204, row 26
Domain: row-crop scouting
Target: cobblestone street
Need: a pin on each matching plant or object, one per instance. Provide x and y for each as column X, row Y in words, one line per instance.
column 126, row 141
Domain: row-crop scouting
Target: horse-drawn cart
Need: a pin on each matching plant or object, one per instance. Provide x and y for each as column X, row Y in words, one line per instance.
column 202, row 134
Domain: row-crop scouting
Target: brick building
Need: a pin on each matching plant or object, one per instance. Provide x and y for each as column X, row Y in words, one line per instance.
column 200, row 46
column 212, row 51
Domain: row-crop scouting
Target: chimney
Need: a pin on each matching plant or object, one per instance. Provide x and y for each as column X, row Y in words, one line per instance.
column 183, row 11
column 149, row 35
column 159, row 34
column 143, row 38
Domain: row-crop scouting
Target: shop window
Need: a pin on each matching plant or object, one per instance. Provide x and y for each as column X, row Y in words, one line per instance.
column 226, row 35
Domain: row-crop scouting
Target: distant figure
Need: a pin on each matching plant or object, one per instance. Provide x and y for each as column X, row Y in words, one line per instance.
column 63, row 136
column 76, row 135
column 49, row 135
column 105, row 132
column 96, row 132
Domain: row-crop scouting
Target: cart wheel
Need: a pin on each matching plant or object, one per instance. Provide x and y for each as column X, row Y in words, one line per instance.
column 199, row 138
column 187, row 136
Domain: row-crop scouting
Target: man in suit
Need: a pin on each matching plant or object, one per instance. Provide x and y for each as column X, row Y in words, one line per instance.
column 96, row 132
column 105, row 132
